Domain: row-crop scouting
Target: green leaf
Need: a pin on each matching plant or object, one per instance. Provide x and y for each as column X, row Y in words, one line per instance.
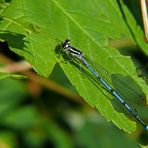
column 12, row 93
column 17, row 118
column 35, row 25
column 60, row 138
column 133, row 19
column 7, row 139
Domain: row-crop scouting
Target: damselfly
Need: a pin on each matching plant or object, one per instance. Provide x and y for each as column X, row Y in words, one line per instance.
column 76, row 54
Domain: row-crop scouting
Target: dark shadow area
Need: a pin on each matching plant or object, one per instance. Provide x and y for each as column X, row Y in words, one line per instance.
column 143, row 138
column 7, row 1
column 128, row 88
column 136, row 54
column 4, row 49
column 132, row 6
column 1, row 18
column 130, row 92
column 139, row 59
column 59, row 77
column 14, row 40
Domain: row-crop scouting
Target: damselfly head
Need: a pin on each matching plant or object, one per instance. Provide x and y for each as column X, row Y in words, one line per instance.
column 66, row 43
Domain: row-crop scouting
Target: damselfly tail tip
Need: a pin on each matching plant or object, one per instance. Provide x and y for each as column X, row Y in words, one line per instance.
column 146, row 127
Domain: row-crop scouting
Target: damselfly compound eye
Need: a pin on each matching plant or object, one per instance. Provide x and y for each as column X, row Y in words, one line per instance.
column 66, row 44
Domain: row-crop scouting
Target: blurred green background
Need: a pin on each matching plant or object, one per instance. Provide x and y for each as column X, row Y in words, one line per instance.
column 34, row 116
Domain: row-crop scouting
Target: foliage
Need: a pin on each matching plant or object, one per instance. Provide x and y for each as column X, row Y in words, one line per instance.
column 33, row 28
